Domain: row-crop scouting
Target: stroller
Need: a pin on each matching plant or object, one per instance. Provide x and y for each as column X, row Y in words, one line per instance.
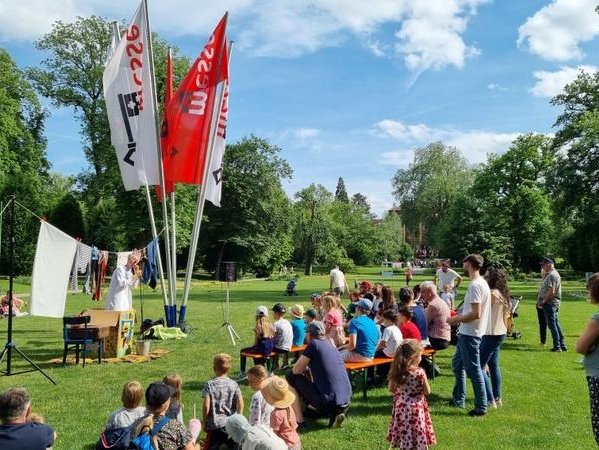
column 514, row 303
column 290, row 289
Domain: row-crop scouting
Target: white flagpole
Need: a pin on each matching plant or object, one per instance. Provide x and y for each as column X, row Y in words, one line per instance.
column 155, row 235
column 174, row 232
column 195, row 234
column 168, row 311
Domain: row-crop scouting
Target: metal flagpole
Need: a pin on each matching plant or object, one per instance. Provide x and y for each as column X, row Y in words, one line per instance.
column 174, row 237
column 155, row 235
column 201, row 197
column 170, row 316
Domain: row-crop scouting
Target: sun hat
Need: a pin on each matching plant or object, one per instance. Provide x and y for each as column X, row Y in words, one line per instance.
column 315, row 328
column 297, row 311
column 275, row 391
column 157, row 393
column 311, row 312
column 364, row 304
column 366, row 284
column 261, row 311
column 279, row 307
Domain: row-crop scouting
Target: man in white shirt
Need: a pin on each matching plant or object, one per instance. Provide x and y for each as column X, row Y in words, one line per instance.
column 446, row 275
column 472, row 326
column 120, row 297
column 337, row 282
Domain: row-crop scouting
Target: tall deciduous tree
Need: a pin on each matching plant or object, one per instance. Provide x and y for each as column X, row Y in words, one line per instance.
column 24, row 168
column 576, row 178
column 428, row 188
column 252, row 226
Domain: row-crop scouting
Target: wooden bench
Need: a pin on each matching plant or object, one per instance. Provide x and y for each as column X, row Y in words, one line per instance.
column 269, row 360
column 357, row 368
column 360, row 367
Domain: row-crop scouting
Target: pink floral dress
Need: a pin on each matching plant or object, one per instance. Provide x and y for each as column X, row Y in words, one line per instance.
column 411, row 427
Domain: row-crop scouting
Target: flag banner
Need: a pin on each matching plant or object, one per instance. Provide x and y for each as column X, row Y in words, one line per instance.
column 114, row 42
column 214, row 183
column 165, row 143
column 130, row 106
column 189, row 113
column 54, row 255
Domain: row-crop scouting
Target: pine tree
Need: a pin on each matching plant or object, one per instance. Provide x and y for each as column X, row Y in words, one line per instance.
column 340, row 192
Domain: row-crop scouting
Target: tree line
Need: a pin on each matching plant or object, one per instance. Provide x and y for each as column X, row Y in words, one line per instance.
column 535, row 199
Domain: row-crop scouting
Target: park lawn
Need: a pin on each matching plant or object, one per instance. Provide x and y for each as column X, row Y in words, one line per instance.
column 545, row 395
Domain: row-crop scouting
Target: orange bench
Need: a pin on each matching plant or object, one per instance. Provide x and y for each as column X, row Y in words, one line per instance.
column 355, row 368
column 270, row 359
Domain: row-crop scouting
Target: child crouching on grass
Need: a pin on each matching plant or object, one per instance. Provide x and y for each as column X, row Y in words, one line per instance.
column 411, row 427
column 222, row 398
column 282, row 420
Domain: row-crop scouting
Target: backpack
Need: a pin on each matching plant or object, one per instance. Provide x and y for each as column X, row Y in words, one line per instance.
column 115, row 439
column 145, row 440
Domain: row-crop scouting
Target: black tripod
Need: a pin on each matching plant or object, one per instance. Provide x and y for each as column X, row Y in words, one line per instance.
column 9, row 346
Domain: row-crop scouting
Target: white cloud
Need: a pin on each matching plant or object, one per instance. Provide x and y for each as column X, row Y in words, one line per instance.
column 555, row 31
column 475, row 145
column 306, row 133
column 496, row 87
column 429, row 36
column 549, row 84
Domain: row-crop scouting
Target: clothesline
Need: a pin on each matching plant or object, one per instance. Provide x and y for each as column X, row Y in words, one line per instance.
column 42, row 219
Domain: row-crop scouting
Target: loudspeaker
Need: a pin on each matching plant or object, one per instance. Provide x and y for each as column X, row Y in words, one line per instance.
column 227, row 271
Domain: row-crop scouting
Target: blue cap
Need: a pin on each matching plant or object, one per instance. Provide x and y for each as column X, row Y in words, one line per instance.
column 364, row 304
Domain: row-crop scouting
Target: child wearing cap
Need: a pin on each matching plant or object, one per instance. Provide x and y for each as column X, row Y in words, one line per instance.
column 283, row 333
column 264, row 339
column 298, row 325
column 282, row 420
column 222, row 398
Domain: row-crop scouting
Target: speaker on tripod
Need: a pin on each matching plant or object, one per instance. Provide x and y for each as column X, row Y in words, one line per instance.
column 227, row 272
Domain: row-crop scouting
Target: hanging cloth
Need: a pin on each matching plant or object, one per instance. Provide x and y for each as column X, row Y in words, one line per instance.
column 101, row 273
column 150, row 267
column 83, row 257
column 121, row 258
column 73, row 284
column 54, row 256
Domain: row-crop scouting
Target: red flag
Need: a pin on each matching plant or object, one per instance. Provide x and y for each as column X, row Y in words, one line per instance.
column 165, row 144
column 189, row 112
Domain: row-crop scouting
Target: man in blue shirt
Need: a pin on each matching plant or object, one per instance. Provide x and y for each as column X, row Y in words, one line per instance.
column 328, row 389
column 363, row 334
column 18, row 431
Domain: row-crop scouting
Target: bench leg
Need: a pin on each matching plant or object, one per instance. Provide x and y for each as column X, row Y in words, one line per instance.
column 365, row 384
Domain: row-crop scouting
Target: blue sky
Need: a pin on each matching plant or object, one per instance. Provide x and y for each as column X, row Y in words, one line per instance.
column 350, row 88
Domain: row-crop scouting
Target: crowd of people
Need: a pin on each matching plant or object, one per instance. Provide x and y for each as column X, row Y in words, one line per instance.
column 316, row 383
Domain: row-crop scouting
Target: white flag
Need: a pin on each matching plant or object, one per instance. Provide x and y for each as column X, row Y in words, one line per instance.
column 214, row 185
column 54, row 256
column 115, row 38
column 130, row 106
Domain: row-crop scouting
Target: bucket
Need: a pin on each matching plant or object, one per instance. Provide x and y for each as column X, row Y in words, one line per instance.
column 143, row 347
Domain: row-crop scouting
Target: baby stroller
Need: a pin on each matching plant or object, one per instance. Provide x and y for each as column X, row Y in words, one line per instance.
column 514, row 303
column 290, row 289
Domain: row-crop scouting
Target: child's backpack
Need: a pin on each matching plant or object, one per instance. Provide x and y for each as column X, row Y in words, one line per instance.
column 115, row 439
column 146, row 439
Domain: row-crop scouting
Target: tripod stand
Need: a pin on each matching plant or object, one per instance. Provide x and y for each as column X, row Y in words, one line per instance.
column 226, row 323
column 9, row 346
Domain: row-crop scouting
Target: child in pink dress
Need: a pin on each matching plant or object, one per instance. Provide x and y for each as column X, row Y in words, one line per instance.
column 411, row 427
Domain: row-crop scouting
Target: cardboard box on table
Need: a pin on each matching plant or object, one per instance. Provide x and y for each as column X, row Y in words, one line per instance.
column 120, row 335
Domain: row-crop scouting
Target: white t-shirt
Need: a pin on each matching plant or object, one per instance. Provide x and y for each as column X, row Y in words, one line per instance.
column 283, row 334
column 260, row 410
column 392, row 337
column 119, row 297
column 444, row 278
column 496, row 325
column 338, row 279
column 478, row 292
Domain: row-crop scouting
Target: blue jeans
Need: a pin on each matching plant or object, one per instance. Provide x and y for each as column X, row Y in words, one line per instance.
column 551, row 311
column 489, row 356
column 466, row 360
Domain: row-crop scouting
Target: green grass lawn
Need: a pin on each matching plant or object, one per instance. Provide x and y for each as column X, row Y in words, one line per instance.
column 545, row 395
